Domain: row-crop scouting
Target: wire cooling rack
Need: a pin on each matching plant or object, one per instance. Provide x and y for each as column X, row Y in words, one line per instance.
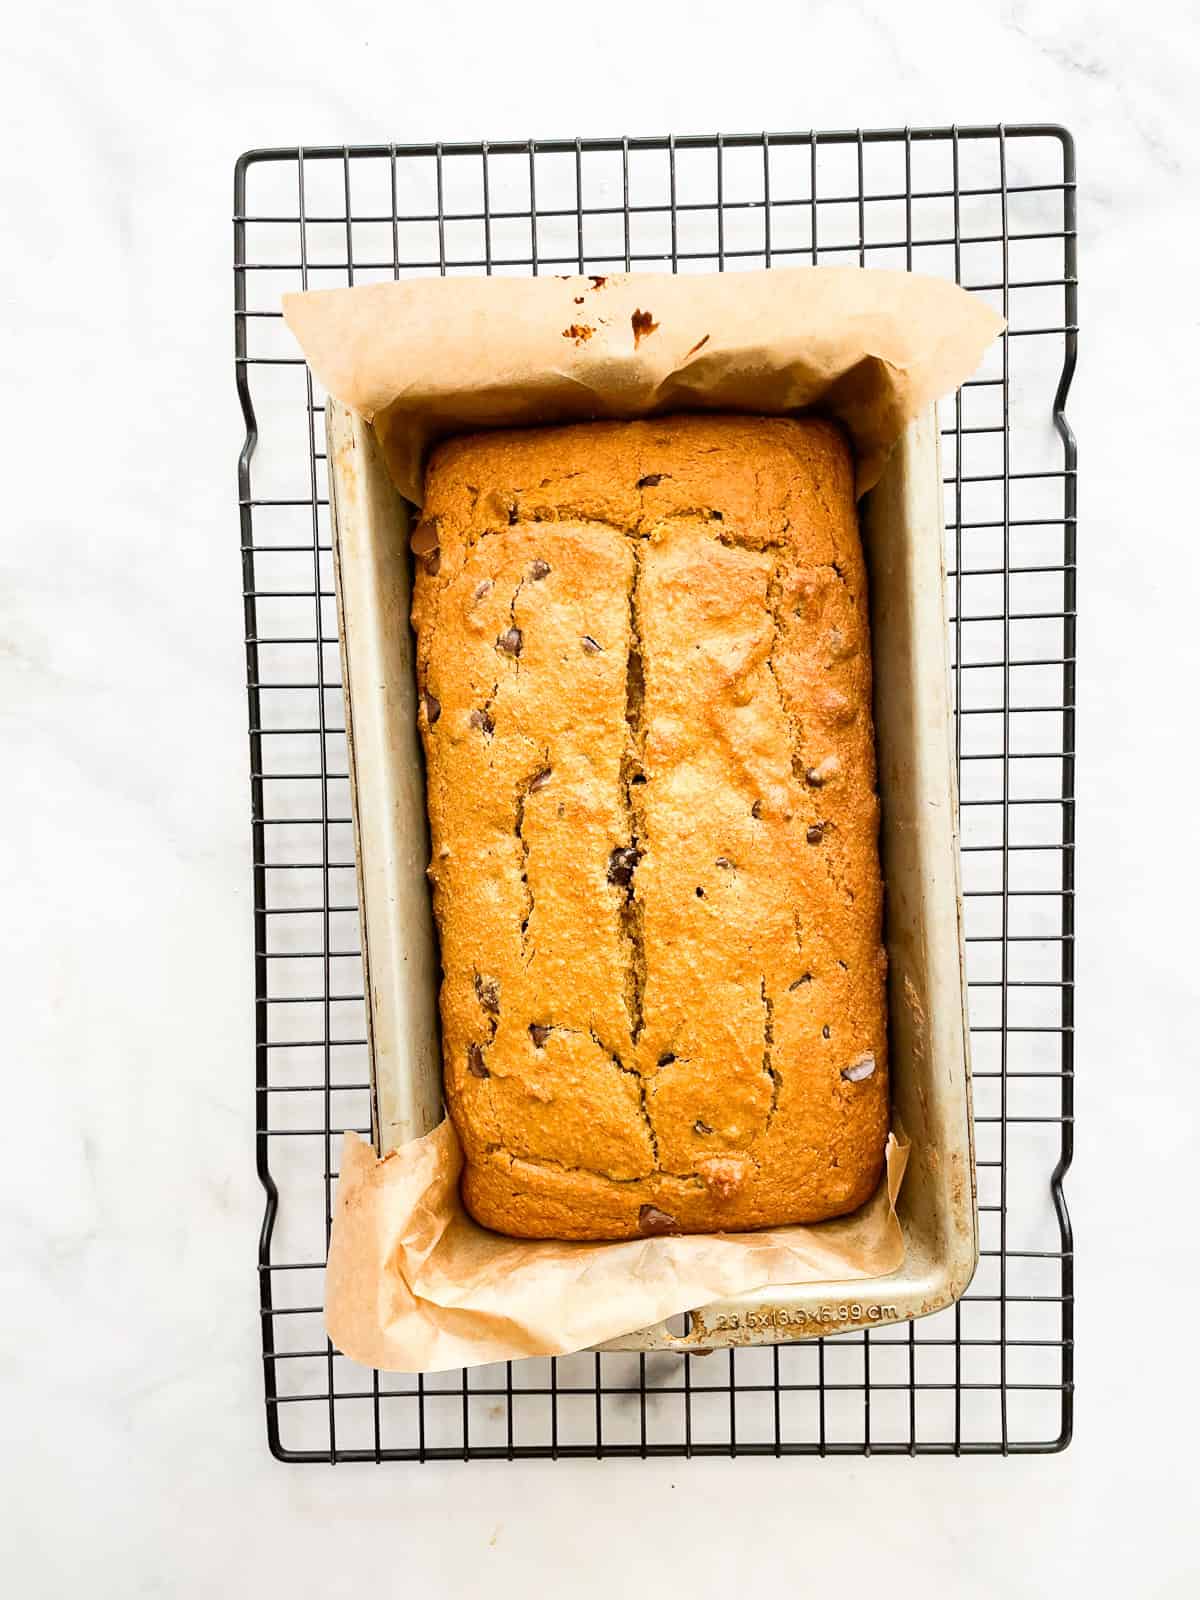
column 994, row 209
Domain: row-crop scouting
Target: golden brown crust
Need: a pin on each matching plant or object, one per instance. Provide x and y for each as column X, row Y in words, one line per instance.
column 646, row 679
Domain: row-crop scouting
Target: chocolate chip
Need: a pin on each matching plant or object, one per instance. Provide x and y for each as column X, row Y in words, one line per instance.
column 825, row 1031
column 807, row 978
column 756, row 809
column 621, row 865
column 487, row 991
column 539, row 1033
column 717, row 516
column 482, row 719
column 425, row 538
column 475, row 1064
column 433, row 561
column 512, row 515
column 433, row 707
column 482, row 588
column 540, row 780
column 701, row 1127
column 650, row 481
column 816, row 833
column 864, row 1067
column 590, row 645
column 699, row 892
column 724, row 861
column 665, row 1061
column 510, row 641
column 540, row 569
column 638, row 777
column 651, row 1221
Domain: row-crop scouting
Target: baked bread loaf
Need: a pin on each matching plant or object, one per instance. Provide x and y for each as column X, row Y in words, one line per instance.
column 645, row 684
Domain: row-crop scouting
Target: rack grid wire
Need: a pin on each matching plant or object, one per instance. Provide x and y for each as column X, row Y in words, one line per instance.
column 992, row 208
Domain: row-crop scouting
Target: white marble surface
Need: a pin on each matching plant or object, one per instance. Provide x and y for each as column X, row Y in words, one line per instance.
column 134, row 1460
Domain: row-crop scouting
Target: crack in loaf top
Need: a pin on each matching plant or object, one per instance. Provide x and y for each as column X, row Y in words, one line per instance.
column 645, row 687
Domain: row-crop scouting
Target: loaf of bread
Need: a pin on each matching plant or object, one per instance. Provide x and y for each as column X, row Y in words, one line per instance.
column 645, row 680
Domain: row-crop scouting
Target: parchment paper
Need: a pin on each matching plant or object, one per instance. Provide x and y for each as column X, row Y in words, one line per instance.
column 427, row 357
column 413, row 1284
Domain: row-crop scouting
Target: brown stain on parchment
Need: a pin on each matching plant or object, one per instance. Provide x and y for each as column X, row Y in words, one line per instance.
column 643, row 326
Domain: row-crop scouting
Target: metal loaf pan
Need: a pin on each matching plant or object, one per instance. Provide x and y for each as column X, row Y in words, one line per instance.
column 928, row 1036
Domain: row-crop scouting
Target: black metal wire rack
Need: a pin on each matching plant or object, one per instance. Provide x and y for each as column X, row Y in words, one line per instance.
column 992, row 208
